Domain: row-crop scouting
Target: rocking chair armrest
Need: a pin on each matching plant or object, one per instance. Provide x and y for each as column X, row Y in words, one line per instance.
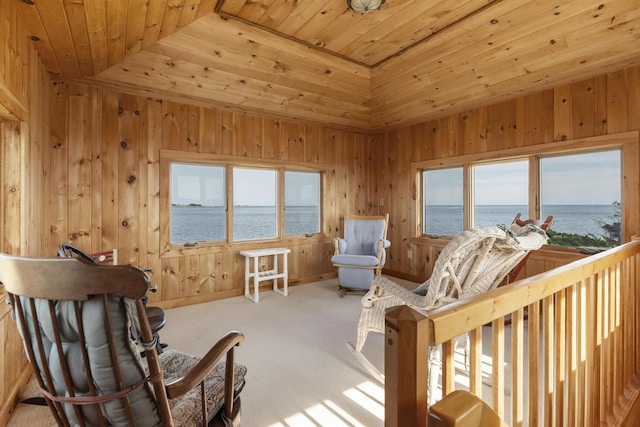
column 339, row 245
column 383, row 288
column 197, row 374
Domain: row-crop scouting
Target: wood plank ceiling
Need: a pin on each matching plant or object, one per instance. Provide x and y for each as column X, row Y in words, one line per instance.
column 318, row 61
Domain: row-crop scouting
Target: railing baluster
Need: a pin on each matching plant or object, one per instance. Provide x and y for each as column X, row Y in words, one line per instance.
column 497, row 366
column 534, row 349
column 517, row 367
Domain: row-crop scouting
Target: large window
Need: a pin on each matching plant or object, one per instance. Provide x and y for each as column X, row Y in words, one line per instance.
column 265, row 203
column 580, row 187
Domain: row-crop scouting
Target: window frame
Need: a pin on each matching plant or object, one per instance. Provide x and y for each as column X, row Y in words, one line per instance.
column 628, row 143
column 167, row 157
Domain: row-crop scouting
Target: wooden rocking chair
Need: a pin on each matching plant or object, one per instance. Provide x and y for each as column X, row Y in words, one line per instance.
column 78, row 321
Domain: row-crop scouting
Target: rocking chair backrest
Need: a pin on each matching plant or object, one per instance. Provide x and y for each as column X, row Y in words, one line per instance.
column 477, row 260
column 77, row 321
column 363, row 234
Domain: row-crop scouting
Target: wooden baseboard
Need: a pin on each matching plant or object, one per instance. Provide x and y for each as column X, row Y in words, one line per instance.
column 14, row 395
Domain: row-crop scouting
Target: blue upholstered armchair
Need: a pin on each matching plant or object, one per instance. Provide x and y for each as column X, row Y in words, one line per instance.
column 361, row 254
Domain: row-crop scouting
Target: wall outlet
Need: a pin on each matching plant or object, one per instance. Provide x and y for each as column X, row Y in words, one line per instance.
column 381, row 201
column 409, row 254
column 263, row 262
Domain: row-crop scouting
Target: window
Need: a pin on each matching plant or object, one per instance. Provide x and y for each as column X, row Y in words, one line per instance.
column 213, row 204
column 583, row 193
column 500, row 190
column 443, row 207
column 578, row 182
column 301, row 203
column 197, row 203
column 254, row 204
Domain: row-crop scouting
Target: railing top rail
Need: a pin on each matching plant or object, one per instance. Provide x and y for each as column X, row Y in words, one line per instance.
column 454, row 319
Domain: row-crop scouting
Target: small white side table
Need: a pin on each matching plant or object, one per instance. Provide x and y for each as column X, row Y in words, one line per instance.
column 260, row 276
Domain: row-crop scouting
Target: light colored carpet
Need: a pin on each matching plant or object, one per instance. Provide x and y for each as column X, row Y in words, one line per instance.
column 300, row 372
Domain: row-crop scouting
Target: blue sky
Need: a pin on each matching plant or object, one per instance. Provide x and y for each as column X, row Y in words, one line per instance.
column 255, row 187
column 592, row 178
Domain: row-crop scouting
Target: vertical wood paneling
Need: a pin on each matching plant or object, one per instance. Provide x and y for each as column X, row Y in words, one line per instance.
column 584, row 108
column 152, row 112
column 25, row 175
column 617, row 103
column 128, row 179
column 96, row 172
column 562, row 108
column 59, row 169
column 110, row 181
column 12, row 192
column 79, row 168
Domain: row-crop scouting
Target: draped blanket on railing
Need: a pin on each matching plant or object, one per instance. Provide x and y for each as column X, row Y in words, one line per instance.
column 558, row 349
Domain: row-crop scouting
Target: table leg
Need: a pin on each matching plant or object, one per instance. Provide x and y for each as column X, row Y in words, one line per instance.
column 286, row 275
column 246, row 277
column 256, row 280
column 275, row 272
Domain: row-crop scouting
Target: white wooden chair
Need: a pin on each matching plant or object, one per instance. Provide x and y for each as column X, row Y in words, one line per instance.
column 473, row 262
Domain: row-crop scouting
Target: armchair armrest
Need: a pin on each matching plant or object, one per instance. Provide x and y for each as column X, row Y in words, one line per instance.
column 383, row 288
column 339, row 246
column 196, row 375
column 380, row 250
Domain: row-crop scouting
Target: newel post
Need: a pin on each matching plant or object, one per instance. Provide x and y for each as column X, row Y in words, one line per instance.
column 406, row 368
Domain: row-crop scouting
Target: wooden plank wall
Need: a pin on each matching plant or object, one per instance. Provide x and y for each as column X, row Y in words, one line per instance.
column 602, row 105
column 25, row 98
column 105, row 179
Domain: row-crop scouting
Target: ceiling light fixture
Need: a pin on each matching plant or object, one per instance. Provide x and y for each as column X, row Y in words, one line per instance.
column 364, row 6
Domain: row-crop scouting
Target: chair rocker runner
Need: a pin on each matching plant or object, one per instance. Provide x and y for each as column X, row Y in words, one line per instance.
column 361, row 254
column 473, row 262
column 76, row 319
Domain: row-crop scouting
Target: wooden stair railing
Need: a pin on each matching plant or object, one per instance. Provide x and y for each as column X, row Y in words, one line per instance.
column 574, row 362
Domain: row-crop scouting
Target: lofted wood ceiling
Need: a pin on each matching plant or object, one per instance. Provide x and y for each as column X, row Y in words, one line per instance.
column 318, row 61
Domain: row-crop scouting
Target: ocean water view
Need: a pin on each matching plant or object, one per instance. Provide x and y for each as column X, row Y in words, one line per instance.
column 200, row 223
column 205, row 223
column 446, row 220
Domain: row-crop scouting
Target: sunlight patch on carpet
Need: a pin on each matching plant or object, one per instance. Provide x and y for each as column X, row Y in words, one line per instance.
column 365, row 401
column 367, row 395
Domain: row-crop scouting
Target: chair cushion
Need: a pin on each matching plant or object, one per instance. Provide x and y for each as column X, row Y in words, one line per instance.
column 186, row 409
column 362, row 236
column 101, row 365
column 355, row 260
